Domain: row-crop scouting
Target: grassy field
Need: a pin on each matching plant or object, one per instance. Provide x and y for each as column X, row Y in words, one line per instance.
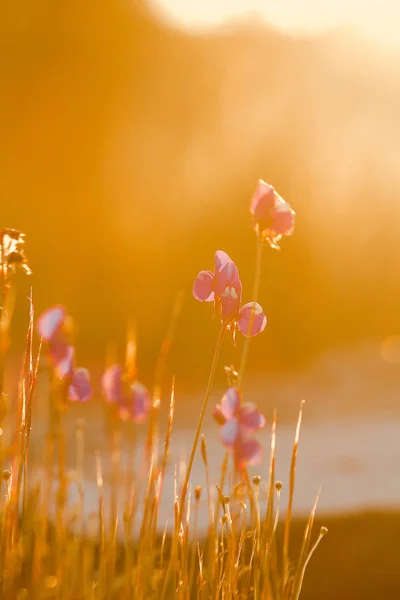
column 232, row 536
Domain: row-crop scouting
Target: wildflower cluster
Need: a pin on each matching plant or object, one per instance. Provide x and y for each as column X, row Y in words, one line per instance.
column 272, row 218
column 55, row 327
column 238, row 421
column 224, row 288
column 46, row 544
column 130, row 397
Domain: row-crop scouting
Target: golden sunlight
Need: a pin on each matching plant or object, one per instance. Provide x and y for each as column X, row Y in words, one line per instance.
column 377, row 19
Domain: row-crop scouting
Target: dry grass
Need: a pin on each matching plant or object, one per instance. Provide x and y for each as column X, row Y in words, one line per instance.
column 50, row 550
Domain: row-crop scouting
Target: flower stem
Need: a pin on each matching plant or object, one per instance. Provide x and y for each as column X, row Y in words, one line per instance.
column 4, row 289
column 256, row 287
column 200, row 422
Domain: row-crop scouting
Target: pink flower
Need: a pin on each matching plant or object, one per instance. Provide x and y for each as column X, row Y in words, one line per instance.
column 51, row 322
column 273, row 217
column 238, row 422
column 209, row 286
column 80, row 389
column 225, row 289
column 131, row 398
column 54, row 327
column 62, row 358
column 235, row 317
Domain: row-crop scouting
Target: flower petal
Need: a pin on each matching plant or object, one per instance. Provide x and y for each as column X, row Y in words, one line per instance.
column 283, row 219
column 50, row 322
column 141, row 402
column 230, row 433
column 219, row 415
column 230, row 403
column 221, row 258
column 230, row 303
column 263, row 201
column 80, row 389
column 248, row 450
column 203, row 286
column 62, row 359
column 112, row 385
column 250, row 417
column 227, row 276
column 251, row 319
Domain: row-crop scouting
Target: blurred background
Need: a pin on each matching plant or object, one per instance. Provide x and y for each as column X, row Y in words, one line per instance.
column 132, row 142
column 133, row 135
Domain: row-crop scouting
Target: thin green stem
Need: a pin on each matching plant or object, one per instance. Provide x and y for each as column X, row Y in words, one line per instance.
column 200, row 422
column 256, row 288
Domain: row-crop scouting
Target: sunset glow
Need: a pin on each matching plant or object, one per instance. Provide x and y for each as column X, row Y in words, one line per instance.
column 376, row 19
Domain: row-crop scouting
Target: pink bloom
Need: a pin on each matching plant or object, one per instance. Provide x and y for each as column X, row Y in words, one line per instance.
column 238, row 422
column 51, row 322
column 209, row 286
column 62, row 359
column 112, row 384
column 80, row 389
column 131, row 398
column 249, row 319
column 76, row 379
column 53, row 328
column 225, row 289
column 273, row 217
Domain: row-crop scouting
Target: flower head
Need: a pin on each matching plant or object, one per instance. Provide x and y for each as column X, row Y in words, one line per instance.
column 273, row 217
column 238, row 421
column 225, row 289
column 209, row 286
column 62, row 359
column 79, row 389
column 131, row 398
column 249, row 319
column 54, row 326
column 51, row 322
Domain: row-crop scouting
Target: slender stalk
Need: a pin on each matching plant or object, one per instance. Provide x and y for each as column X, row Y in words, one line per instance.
column 193, row 552
column 167, row 442
column 115, row 447
column 152, row 438
column 204, row 456
column 213, row 550
column 304, row 550
column 322, row 533
column 3, row 268
column 62, row 493
column 181, row 505
column 286, row 532
column 100, row 488
column 200, row 422
column 256, row 288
